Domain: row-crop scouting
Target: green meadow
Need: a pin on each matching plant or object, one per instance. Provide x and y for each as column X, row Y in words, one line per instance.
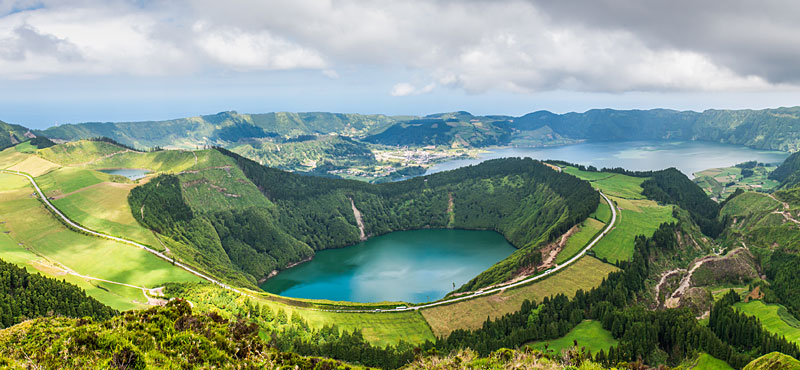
column 588, row 334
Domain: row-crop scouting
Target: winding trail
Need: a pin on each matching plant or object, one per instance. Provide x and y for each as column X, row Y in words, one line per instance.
column 476, row 294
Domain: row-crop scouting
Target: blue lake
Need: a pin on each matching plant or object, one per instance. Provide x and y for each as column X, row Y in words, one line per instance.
column 411, row 266
column 131, row 173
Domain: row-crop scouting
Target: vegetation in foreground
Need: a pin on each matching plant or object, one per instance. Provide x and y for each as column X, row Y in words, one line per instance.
column 170, row 337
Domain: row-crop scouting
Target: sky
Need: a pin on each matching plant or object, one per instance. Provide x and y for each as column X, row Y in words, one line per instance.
column 114, row 60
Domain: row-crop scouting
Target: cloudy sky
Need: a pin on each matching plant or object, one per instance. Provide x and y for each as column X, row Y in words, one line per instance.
column 92, row 60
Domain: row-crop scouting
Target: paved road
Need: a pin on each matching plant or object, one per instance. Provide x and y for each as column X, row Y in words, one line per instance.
column 121, row 240
column 398, row 309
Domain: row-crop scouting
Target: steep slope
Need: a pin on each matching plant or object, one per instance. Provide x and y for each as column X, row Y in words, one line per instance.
column 218, row 213
column 11, row 134
column 788, row 173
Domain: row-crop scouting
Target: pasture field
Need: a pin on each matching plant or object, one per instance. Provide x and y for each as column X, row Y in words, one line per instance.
column 718, row 183
column 774, row 318
column 618, row 185
column 602, row 213
column 589, row 334
column 587, row 273
column 636, row 217
column 81, row 152
column 34, row 165
column 589, row 228
column 169, row 161
column 66, row 180
column 104, row 207
column 34, row 231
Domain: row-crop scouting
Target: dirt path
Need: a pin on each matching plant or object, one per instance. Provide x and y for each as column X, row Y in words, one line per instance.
column 360, row 223
column 227, row 168
column 663, row 281
column 785, row 213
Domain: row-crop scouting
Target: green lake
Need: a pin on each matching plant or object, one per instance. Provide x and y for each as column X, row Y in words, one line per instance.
column 411, row 266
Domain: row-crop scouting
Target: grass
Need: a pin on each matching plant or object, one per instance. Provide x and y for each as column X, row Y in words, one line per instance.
column 378, row 328
column 718, row 183
column 69, row 179
column 34, row 166
column 602, row 213
column 589, row 228
column 589, row 334
column 79, row 152
column 708, row 362
column 636, row 217
column 618, row 185
column 104, row 208
column 774, row 318
column 34, row 231
column 586, row 273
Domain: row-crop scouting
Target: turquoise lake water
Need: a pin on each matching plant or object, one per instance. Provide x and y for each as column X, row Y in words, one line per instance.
column 412, row 266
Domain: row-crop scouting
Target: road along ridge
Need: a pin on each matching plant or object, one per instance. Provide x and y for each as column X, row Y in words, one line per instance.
column 478, row 293
column 121, row 240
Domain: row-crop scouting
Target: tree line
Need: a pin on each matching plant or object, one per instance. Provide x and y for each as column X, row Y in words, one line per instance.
column 25, row 296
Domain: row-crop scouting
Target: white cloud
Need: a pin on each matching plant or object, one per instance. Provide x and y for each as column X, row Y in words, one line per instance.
column 406, row 89
column 477, row 46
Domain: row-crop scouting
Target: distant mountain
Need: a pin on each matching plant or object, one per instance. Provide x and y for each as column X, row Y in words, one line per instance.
column 11, row 134
column 221, row 128
column 456, row 129
column 774, row 129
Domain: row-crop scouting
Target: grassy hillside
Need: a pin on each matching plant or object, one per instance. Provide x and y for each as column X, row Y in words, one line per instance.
column 526, row 201
column 588, row 334
column 584, row 275
column 158, row 338
column 774, row 361
column 11, row 134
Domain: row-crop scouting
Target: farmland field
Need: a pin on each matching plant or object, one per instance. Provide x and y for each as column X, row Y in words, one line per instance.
column 35, row 237
column 589, row 228
column 586, row 273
